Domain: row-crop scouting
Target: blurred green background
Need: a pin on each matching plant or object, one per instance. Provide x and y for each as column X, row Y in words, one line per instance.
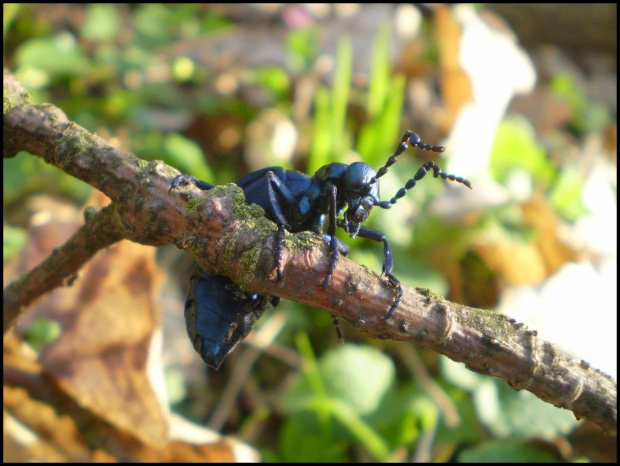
column 220, row 91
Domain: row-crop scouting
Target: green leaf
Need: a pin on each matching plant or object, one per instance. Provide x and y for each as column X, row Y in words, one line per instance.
column 274, row 79
column 187, row 156
column 13, row 240
column 57, row 56
column 42, row 332
column 352, row 382
column 507, row 452
column 515, row 148
column 566, row 194
column 357, row 375
column 301, row 49
column 507, row 412
column 305, row 440
column 101, row 22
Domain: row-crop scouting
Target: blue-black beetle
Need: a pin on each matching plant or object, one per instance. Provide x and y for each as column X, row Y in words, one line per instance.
column 219, row 314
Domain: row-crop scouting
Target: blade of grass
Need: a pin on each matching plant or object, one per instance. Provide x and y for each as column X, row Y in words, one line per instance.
column 319, row 153
column 340, row 99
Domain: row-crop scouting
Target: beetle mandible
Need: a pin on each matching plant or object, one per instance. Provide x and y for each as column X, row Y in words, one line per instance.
column 219, row 314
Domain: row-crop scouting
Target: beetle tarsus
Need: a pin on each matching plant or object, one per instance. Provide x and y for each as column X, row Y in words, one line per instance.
column 333, row 260
column 336, row 323
column 399, row 295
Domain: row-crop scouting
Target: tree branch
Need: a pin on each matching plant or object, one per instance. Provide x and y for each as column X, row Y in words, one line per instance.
column 231, row 238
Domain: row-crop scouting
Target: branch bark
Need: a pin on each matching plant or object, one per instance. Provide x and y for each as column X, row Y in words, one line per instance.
column 231, row 238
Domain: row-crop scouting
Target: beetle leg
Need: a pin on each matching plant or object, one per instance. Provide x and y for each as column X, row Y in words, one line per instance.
column 388, row 265
column 399, row 295
column 277, row 262
column 336, row 247
column 341, row 248
column 333, row 260
column 268, row 190
column 275, row 184
column 184, row 180
column 337, row 327
column 331, row 233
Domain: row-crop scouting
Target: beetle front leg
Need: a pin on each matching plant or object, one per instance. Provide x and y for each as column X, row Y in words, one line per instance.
column 388, row 265
column 399, row 294
column 336, row 247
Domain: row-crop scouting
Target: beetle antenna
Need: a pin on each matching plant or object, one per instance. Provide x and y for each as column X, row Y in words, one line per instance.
column 415, row 141
column 422, row 171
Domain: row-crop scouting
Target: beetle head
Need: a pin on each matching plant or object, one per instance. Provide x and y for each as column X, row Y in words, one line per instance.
column 360, row 194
